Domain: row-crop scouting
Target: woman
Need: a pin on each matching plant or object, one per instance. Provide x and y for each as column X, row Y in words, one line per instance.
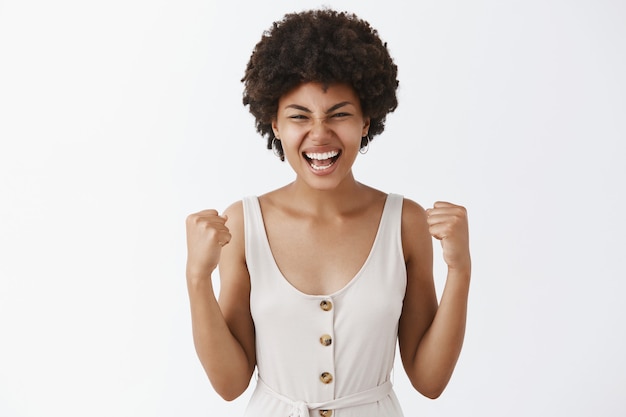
column 322, row 277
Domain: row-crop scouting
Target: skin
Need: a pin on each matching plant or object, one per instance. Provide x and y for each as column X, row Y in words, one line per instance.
column 329, row 211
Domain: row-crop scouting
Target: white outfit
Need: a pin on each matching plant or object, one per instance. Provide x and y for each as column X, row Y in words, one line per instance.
column 326, row 355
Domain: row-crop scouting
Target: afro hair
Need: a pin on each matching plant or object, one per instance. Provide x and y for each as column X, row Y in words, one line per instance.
column 322, row 46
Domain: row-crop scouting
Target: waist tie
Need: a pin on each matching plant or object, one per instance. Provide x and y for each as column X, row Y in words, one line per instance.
column 301, row 408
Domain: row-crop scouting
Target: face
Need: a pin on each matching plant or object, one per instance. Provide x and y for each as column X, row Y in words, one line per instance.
column 320, row 132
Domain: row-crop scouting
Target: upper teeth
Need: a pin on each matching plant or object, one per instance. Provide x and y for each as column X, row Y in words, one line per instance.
column 322, row 156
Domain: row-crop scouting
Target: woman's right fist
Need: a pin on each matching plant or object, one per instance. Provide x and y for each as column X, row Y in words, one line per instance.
column 206, row 235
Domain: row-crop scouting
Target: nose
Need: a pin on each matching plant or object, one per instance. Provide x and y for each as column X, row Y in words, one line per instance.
column 319, row 131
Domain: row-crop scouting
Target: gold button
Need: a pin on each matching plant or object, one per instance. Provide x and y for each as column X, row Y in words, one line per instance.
column 326, row 377
column 326, row 305
column 326, row 413
column 326, row 340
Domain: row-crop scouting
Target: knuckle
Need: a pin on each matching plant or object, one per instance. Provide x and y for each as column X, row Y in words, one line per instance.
column 212, row 234
column 459, row 213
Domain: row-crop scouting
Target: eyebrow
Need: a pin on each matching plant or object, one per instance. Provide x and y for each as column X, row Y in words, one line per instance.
column 330, row 110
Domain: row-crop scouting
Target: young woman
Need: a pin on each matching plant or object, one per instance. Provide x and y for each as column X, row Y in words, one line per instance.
column 322, row 277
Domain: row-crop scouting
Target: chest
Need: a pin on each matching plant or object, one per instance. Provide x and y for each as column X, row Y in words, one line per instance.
column 321, row 257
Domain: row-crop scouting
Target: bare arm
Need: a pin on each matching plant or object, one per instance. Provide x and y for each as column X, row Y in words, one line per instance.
column 223, row 332
column 431, row 335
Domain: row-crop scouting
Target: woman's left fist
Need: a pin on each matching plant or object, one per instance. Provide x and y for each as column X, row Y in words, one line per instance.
column 447, row 222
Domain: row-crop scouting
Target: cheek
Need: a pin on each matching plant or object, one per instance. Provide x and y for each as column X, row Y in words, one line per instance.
column 352, row 136
column 288, row 131
column 291, row 146
column 292, row 136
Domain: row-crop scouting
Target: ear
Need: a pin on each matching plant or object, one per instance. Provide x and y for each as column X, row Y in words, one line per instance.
column 366, row 127
column 275, row 128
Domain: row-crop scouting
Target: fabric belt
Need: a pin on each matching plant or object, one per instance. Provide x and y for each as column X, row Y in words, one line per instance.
column 301, row 408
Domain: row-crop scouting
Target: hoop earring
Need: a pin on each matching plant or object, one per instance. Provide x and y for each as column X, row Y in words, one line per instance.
column 365, row 145
column 277, row 148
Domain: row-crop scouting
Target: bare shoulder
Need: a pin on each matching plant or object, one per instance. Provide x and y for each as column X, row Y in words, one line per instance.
column 415, row 236
column 412, row 211
column 235, row 212
column 235, row 280
column 233, row 256
column 413, row 217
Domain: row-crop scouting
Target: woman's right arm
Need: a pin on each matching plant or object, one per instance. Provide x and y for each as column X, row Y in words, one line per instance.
column 223, row 332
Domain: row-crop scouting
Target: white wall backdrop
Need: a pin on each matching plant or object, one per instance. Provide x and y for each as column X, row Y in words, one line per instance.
column 119, row 118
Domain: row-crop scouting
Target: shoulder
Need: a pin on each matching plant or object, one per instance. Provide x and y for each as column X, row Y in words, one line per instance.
column 415, row 235
column 235, row 224
column 412, row 213
column 235, row 211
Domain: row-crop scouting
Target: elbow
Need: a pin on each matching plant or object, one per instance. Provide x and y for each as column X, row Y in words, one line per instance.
column 229, row 396
column 432, row 394
column 229, row 389
column 229, row 393
column 431, row 390
column 431, row 383
column 229, row 384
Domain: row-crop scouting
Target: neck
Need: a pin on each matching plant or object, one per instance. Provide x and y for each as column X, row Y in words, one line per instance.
column 327, row 202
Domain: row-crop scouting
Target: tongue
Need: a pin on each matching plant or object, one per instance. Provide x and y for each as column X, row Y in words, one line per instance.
column 322, row 162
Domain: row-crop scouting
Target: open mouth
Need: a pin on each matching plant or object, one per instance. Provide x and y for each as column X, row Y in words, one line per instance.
column 322, row 160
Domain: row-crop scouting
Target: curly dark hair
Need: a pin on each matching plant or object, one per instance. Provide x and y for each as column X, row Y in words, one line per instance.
column 322, row 46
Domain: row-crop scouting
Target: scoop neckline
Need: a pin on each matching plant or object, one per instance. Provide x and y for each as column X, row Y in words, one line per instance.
column 350, row 283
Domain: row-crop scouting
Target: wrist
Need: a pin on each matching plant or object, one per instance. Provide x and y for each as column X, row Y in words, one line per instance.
column 199, row 276
column 462, row 271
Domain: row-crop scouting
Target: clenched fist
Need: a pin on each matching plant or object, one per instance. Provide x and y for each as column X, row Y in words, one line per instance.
column 206, row 235
column 447, row 222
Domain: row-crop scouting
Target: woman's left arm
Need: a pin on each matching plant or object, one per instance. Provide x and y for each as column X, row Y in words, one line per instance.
column 431, row 335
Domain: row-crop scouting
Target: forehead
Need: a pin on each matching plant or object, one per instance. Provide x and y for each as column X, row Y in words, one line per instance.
column 318, row 95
